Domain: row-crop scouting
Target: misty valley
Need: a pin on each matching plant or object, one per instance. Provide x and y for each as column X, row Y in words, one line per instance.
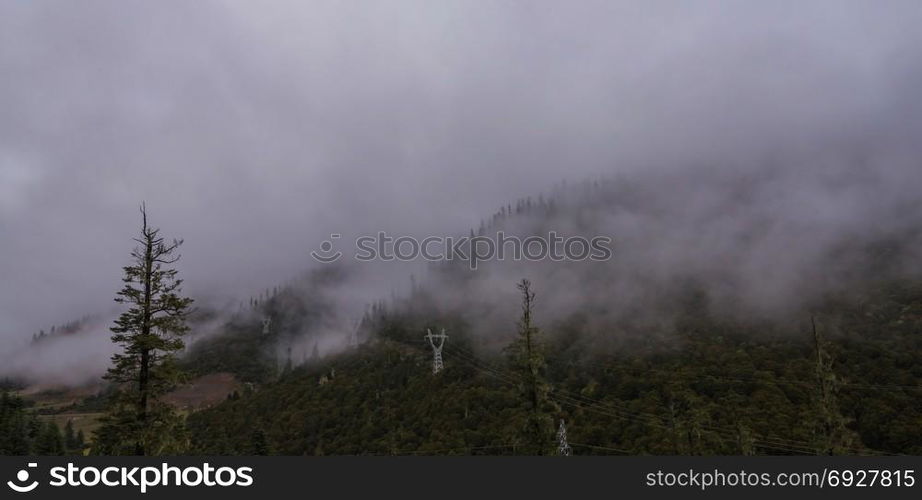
column 636, row 355
column 671, row 236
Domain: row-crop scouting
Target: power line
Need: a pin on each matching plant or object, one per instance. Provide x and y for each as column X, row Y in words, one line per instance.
column 780, row 380
column 611, row 410
column 657, row 420
column 605, row 448
column 452, row 450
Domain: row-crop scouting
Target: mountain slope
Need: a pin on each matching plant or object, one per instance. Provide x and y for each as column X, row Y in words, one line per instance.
column 724, row 388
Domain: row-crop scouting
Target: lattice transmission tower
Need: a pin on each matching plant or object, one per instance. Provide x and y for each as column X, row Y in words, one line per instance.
column 563, row 447
column 436, row 349
column 267, row 322
column 354, row 336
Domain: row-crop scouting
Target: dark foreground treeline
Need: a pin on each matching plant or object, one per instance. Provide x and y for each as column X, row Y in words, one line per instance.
column 23, row 433
column 709, row 387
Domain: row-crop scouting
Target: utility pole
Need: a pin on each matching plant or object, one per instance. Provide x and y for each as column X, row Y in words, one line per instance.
column 563, row 447
column 436, row 349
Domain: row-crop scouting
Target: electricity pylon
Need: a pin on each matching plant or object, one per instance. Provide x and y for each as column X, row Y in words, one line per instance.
column 436, row 349
column 354, row 336
column 563, row 447
column 267, row 321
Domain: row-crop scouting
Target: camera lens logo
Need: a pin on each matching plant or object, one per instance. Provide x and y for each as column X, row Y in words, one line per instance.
column 22, row 476
column 326, row 253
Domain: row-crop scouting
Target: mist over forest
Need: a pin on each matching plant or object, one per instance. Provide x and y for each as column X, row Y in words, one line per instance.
column 757, row 167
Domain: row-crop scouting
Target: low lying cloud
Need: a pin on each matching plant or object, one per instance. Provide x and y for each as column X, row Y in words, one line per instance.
column 254, row 132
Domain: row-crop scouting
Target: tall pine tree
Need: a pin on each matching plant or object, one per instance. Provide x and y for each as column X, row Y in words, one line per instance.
column 149, row 332
column 526, row 354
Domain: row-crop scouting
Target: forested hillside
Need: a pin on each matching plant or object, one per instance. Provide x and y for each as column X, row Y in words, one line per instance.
column 704, row 334
column 711, row 387
column 760, row 338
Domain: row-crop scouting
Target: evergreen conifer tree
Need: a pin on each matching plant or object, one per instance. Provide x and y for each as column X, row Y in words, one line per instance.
column 527, row 358
column 149, row 332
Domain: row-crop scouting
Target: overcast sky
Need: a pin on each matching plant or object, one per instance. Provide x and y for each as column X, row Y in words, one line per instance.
column 255, row 129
